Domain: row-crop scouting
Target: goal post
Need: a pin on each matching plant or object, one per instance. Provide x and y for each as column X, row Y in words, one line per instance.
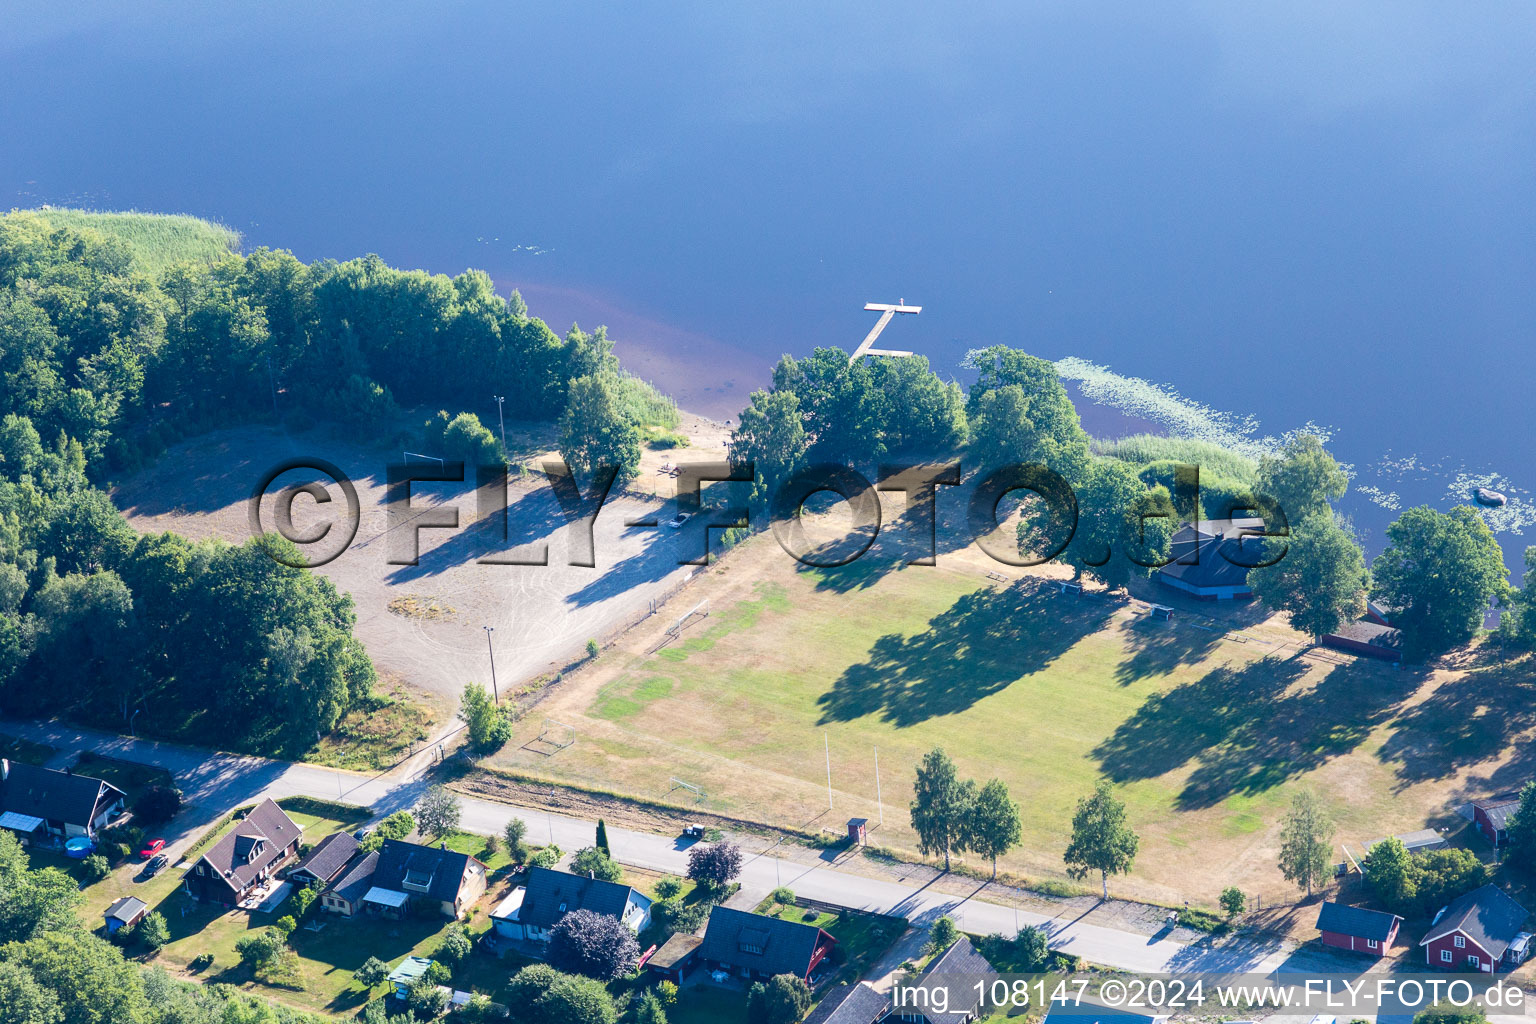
column 677, row 784
column 701, row 609
column 419, row 457
column 556, row 734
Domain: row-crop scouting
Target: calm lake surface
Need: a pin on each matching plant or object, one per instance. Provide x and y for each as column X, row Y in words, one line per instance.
column 1308, row 214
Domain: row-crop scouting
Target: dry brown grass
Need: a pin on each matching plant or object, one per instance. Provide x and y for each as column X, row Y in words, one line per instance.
column 1208, row 727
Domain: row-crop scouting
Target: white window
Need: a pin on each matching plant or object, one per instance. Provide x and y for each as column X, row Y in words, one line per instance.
column 1370, row 943
column 1475, row 963
column 1461, row 941
column 1445, row 956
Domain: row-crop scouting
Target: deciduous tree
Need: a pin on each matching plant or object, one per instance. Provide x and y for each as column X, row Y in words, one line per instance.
column 941, row 806
column 1318, row 576
column 1440, row 570
column 994, row 826
column 1102, row 841
column 437, row 815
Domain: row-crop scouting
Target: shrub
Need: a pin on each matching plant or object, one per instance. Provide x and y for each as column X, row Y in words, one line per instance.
column 668, row 886
column 547, row 857
column 256, row 950
column 397, row 825
column 784, row 1000
column 673, row 915
column 455, row 947
column 426, row 1000
column 154, row 932
column 95, row 867
column 516, row 834
column 285, row 925
column 942, row 935
column 593, row 650
column 783, row 896
column 201, row 962
column 1233, row 902
column 591, row 861
column 372, row 972
column 157, row 805
column 492, row 846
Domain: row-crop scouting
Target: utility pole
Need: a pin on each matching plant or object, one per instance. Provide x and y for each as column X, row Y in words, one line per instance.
column 878, row 801
column 827, row 744
column 503, row 417
column 272, row 380
column 495, row 694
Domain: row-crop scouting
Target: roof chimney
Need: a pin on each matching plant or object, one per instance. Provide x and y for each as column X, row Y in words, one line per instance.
column 5, row 768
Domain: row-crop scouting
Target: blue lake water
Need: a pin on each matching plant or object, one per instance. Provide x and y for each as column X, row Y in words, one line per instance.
column 1302, row 213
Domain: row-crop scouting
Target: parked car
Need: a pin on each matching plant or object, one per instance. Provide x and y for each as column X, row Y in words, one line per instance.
column 362, row 833
column 151, row 848
column 156, row 862
column 677, row 521
column 693, row 831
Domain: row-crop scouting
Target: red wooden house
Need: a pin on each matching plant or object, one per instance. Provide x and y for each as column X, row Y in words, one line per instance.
column 1357, row 929
column 1478, row 931
column 1492, row 815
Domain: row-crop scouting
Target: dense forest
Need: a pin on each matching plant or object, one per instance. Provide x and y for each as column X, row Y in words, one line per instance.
column 112, row 348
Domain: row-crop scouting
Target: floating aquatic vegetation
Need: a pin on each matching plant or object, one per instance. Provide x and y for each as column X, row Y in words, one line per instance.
column 1389, row 500
column 1184, row 417
column 1513, row 517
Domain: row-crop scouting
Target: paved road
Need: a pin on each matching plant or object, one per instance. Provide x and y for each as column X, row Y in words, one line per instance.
column 213, row 783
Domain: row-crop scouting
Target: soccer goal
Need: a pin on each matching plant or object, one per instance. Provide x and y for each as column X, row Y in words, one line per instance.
column 419, row 457
column 701, row 610
column 553, row 738
column 698, row 793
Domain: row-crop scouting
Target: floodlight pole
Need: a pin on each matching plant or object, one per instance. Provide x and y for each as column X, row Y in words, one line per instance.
column 879, row 802
column 827, row 744
column 495, row 694
column 503, row 417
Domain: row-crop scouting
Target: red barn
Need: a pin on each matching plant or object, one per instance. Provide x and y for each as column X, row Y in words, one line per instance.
column 1492, row 815
column 1477, row 932
column 1357, row 929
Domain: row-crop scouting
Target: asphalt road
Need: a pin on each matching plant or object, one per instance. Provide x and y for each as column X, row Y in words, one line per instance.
column 214, row 783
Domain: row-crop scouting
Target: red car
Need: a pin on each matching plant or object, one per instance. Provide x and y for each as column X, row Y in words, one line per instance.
column 153, row 847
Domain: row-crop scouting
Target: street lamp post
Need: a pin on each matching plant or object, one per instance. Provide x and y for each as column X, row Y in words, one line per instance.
column 502, row 416
column 495, row 694
column 131, row 719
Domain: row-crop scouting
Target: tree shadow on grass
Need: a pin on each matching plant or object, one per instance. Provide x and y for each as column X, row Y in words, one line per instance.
column 982, row 643
column 1159, row 646
column 1467, row 721
column 1248, row 729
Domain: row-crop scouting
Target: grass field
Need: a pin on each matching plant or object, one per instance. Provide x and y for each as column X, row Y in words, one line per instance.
column 158, row 240
column 1207, row 725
